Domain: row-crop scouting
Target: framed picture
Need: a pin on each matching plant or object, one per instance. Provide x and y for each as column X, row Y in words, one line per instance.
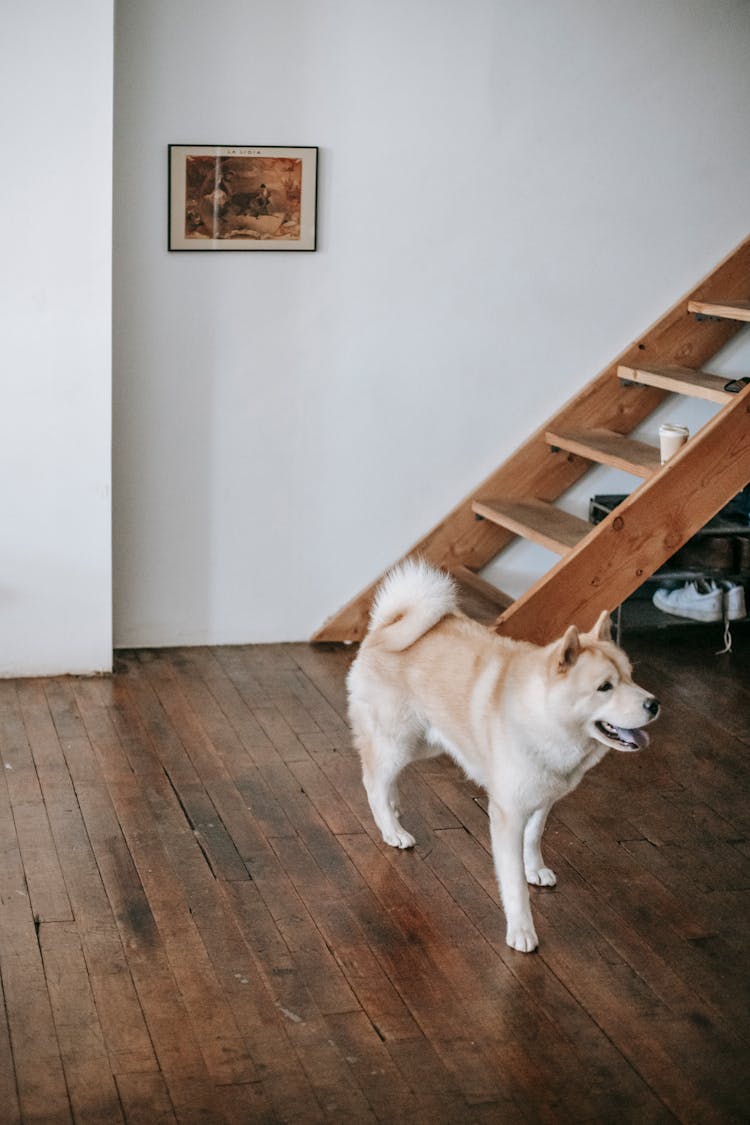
column 242, row 197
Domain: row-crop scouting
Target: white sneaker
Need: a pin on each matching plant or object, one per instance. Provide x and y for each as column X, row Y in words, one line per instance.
column 700, row 601
column 734, row 601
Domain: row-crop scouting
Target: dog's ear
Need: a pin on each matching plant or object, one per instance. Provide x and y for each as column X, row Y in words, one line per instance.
column 602, row 631
column 568, row 649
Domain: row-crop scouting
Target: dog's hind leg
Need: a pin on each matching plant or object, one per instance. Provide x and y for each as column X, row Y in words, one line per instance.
column 536, row 872
column 382, row 761
column 506, row 830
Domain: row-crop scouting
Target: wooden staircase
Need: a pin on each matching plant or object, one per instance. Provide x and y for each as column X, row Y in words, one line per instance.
column 600, row 565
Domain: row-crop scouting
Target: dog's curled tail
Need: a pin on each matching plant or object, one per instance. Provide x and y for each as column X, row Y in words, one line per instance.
column 412, row 598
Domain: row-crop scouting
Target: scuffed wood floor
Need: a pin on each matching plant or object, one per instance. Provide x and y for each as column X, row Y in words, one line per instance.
column 198, row 922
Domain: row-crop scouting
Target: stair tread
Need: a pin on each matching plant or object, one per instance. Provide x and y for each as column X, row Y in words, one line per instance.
column 480, row 599
column 727, row 310
column 609, row 448
column 535, row 519
column 679, row 380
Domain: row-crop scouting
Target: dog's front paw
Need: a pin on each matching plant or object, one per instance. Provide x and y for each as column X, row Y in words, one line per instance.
column 522, row 938
column 399, row 838
column 541, row 876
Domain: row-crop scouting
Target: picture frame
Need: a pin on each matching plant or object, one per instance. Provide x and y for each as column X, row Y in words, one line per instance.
column 242, row 197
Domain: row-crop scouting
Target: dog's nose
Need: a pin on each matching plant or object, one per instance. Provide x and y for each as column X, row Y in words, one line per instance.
column 652, row 705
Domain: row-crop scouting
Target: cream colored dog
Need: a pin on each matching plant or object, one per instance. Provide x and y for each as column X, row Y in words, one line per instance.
column 523, row 721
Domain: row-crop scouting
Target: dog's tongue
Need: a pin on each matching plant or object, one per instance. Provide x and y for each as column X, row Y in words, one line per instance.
column 639, row 738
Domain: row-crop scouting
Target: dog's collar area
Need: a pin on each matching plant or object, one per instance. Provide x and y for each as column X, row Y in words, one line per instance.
column 631, row 739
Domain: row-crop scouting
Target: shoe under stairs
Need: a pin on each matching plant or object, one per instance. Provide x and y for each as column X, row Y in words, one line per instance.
column 601, row 565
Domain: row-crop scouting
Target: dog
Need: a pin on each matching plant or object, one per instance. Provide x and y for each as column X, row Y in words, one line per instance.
column 523, row 721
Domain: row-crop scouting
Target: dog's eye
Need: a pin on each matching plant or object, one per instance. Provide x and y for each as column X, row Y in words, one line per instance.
column 606, row 686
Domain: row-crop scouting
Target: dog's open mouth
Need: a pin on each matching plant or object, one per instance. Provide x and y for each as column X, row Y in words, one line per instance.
column 628, row 739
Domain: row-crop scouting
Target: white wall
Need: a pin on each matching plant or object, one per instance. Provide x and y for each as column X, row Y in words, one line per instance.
column 509, row 193
column 56, row 69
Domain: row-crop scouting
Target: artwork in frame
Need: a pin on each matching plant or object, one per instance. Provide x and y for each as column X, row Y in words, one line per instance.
column 242, row 197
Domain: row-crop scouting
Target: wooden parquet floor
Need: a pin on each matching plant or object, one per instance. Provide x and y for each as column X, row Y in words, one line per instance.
column 198, row 922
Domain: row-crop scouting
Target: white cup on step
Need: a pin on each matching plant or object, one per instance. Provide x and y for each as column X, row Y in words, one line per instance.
column 671, row 438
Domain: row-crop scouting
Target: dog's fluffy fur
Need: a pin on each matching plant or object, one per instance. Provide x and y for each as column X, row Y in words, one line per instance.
column 525, row 722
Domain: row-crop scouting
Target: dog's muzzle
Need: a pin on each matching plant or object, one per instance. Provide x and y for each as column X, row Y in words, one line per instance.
column 635, row 738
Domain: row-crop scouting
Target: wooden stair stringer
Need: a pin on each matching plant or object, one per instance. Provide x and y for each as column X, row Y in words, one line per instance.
column 641, row 533
column 533, row 472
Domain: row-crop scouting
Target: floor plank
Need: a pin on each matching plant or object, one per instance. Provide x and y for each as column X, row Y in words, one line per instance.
column 200, row 923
